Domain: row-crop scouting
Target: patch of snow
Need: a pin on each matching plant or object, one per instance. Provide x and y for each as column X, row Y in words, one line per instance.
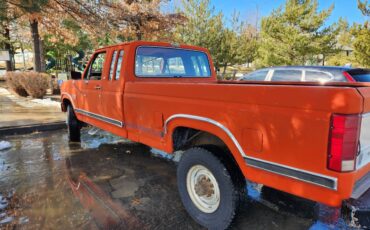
column 5, row 145
column 93, row 131
column 46, row 102
column 3, row 205
column 4, row 91
column 23, row 220
column 6, row 220
column 159, row 153
column 93, row 138
column 26, row 102
column 178, row 155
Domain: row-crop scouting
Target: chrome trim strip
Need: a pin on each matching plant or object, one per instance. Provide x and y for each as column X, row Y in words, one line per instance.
column 100, row 117
column 361, row 186
column 284, row 170
column 295, row 173
column 208, row 120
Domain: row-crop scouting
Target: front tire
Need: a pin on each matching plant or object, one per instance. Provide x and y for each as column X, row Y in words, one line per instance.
column 73, row 125
column 207, row 190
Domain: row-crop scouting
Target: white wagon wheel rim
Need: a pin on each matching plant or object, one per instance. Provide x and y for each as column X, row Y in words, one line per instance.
column 203, row 189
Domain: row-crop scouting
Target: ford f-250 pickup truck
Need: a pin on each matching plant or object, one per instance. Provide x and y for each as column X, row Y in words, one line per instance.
column 304, row 138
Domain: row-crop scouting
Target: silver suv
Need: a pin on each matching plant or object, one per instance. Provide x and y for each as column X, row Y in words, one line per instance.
column 309, row 74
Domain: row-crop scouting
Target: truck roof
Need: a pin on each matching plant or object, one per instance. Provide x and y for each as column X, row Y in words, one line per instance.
column 151, row 43
column 327, row 68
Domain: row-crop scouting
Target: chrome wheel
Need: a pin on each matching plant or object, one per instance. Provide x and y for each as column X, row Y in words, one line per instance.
column 203, row 189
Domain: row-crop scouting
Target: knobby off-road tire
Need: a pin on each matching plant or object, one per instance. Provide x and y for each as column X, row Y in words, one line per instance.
column 73, row 125
column 201, row 177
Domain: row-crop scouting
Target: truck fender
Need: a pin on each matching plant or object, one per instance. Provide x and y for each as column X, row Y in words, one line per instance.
column 208, row 125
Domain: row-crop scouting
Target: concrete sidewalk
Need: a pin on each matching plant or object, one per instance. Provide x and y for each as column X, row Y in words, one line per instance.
column 17, row 111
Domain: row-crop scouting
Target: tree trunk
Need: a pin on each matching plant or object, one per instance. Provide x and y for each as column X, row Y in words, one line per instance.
column 36, row 45
column 138, row 26
column 42, row 59
column 9, row 66
column 24, row 58
column 323, row 60
column 224, row 71
column 139, row 35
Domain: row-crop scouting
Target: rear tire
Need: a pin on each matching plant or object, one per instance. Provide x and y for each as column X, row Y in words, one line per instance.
column 73, row 125
column 207, row 190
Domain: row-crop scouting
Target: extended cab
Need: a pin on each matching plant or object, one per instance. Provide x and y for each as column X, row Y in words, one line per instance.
column 307, row 139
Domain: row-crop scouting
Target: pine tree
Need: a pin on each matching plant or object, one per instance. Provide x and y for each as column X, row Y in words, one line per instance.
column 295, row 34
column 364, row 7
column 204, row 27
column 345, row 44
column 361, row 33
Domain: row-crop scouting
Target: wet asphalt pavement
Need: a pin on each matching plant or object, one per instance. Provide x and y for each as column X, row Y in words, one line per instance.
column 104, row 183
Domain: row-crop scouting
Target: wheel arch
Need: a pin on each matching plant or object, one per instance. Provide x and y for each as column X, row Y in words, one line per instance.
column 65, row 103
column 66, row 100
column 184, row 132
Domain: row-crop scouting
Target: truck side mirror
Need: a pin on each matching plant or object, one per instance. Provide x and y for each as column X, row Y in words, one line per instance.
column 76, row 75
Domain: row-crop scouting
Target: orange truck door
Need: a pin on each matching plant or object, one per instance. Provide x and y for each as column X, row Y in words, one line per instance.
column 91, row 87
column 112, row 89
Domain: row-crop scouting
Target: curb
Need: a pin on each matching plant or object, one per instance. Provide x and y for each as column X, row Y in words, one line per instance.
column 16, row 130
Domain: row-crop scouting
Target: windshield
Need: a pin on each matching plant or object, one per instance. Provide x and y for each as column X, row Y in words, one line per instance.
column 360, row 75
column 171, row 62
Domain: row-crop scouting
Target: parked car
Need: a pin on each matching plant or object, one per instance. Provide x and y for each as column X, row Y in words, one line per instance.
column 297, row 139
column 309, row 74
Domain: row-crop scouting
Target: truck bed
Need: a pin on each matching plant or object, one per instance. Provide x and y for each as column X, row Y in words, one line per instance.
column 281, row 124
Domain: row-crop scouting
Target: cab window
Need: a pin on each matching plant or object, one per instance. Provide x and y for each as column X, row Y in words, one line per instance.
column 171, row 62
column 96, row 67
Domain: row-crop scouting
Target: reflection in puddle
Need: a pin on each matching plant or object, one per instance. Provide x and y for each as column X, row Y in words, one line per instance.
column 95, row 185
column 104, row 210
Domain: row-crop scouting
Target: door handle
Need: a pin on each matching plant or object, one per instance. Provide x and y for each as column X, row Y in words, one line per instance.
column 98, row 87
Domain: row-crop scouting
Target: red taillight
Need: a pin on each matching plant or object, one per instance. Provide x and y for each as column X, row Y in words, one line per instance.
column 344, row 139
column 348, row 77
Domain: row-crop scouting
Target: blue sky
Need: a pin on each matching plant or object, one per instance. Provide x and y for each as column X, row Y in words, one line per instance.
column 248, row 9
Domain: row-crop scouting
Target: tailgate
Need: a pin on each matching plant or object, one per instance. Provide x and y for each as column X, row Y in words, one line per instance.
column 363, row 159
column 364, row 156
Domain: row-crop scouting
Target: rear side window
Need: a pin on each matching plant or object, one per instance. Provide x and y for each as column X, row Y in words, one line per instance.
column 360, row 75
column 171, row 62
column 119, row 64
column 111, row 71
column 317, row 76
column 256, row 76
column 287, row 75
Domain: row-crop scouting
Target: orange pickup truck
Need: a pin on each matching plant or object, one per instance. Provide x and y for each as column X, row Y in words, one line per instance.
column 304, row 138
